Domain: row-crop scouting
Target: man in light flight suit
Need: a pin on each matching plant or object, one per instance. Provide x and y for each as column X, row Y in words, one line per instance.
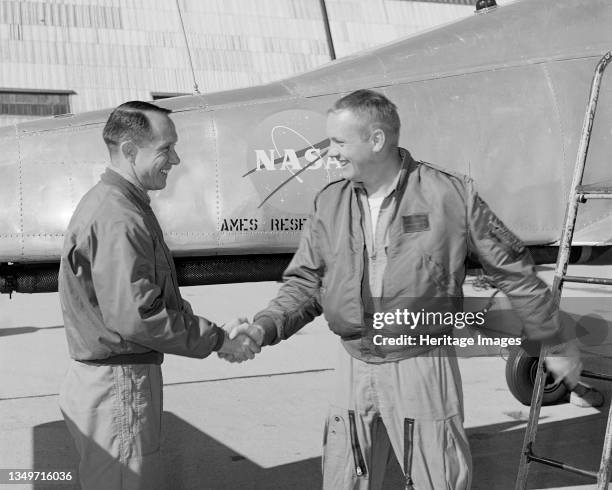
column 394, row 234
column 123, row 309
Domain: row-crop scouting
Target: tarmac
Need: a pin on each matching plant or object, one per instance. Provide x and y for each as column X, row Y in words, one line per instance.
column 258, row 425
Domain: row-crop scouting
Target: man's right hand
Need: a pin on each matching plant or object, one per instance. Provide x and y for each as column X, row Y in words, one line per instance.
column 242, row 341
column 253, row 330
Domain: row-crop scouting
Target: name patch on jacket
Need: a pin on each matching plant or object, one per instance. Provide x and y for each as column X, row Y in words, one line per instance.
column 415, row 222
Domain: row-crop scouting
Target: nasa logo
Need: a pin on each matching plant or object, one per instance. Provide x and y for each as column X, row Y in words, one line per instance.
column 286, row 160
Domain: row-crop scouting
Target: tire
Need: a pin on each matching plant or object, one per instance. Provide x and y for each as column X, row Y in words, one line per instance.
column 520, row 376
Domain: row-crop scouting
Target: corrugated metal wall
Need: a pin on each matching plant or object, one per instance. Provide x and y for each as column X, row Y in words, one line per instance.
column 109, row 51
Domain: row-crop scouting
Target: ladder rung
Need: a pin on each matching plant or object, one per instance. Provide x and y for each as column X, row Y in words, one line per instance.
column 584, row 196
column 592, row 375
column 594, row 189
column 588, row 280
column 561, row 465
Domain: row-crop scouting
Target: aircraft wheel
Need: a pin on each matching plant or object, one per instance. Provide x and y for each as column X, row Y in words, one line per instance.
column 520, row 375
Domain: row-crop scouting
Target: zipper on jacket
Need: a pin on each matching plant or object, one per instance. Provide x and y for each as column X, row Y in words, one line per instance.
column 166, row 251
column 360, row 467
column 361, row 265
column 361, row 272
column 408, row 446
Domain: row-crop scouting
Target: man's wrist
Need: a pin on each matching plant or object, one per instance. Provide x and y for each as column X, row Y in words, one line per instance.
column 221, row 337
column 267, row 325
column 259, row 335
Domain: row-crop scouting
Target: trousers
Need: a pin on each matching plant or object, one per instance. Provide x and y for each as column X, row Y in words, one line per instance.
column 412, row 408
column 113, row 413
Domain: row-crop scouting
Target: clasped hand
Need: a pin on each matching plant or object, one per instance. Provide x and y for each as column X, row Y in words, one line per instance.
column 242, row 341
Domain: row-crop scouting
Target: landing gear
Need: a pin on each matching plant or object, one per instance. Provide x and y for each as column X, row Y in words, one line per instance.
column 520, row 376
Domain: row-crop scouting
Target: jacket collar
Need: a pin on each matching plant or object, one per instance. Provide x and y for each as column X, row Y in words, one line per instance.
column 113, row 178
column 406, row 167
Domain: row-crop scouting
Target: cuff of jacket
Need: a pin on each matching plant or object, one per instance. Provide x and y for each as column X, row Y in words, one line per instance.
column 270, row 330
column 220, row 338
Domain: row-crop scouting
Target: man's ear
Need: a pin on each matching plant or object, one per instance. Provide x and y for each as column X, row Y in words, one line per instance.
column 378, row 139
column 129, row 151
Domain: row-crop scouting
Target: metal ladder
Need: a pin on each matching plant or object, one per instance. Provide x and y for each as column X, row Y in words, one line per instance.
column 578, row 194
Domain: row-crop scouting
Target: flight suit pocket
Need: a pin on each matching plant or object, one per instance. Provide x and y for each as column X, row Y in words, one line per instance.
column 338, row 463
column 457, row 459
column 141, row 407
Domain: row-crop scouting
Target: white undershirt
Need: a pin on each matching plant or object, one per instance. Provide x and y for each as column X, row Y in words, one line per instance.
column 375, row 203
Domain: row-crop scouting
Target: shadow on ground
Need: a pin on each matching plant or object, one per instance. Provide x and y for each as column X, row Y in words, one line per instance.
column 192, row 461
column 496, row 451
column 5, row 332
column 195, row 461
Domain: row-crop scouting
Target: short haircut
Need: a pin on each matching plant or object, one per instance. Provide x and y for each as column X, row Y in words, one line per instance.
column 375, row 109
column 130, row 122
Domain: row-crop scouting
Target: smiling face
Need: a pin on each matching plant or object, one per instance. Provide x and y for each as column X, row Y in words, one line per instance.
column 350, row 146
column 155, row 157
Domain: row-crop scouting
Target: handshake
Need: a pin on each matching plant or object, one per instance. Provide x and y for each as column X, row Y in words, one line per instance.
column 242, row 340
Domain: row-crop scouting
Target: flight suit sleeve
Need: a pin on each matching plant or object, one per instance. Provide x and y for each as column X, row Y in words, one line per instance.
column 187, row 307
column 298, row 300
column 130, row 301
column 509, row 266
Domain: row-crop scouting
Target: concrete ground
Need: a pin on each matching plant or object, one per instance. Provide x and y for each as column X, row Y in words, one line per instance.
column 258, row 425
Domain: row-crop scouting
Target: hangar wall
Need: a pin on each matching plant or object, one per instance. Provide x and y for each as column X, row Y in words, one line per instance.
column 92, row 54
